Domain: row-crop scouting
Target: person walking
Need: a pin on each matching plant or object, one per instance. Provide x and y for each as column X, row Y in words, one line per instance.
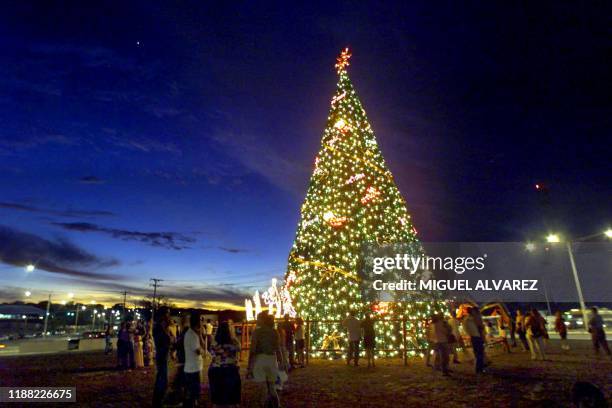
column 431, row 347
column 179, row 383
column 264, row 356
column 502, row 335
column 108, row 338
column 353, row 325
column 455, row 341
column 208, row 334
column 369, row 339
column 163, row 340
column 289, row 330
column 521, row 330
column 147, row 343
column 193, row 361
column 138, row 352
column 561, row 328
column 598, row 335
column 512, row 328
column 534, row 324
column 223, row 372
column 440, row 333
column 299, row 341
column 130, row 345
column 470, row 327
column 123, row 340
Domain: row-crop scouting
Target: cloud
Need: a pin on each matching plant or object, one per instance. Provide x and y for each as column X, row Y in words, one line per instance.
column 63, row 213
column 144, row 144
column 207, row 296
column 91, row 180
column 168, row 240
column 230, row 250
column 233, row 250
column 19, row 248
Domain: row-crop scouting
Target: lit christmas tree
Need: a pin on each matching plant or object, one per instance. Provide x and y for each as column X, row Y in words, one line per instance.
column 352, row 200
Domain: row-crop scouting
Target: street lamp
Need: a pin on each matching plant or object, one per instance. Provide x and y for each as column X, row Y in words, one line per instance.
column 27, row 293
column 554, row 238
column 30, row 268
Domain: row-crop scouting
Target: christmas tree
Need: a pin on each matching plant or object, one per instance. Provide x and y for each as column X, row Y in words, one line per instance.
column 352, row 199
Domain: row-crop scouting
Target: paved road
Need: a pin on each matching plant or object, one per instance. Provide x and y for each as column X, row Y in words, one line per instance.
column 54, row 344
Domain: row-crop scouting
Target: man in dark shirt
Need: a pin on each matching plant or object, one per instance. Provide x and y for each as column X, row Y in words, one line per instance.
column 178, row 384
column 289, row 335
column 163, row 339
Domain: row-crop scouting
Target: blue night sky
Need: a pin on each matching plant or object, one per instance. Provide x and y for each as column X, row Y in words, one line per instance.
column 148, row 139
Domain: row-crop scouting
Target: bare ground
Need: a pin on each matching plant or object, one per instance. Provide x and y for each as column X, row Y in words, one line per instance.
column 512, row 381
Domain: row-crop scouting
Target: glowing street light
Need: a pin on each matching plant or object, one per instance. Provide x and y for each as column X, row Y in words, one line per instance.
column 83, row 307
column 530, row 246
column 30, row 268
column 608, row 233
column 553, row 238
column 28, row 293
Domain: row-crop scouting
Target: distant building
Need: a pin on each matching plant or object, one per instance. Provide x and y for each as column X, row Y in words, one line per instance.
column 20, row 320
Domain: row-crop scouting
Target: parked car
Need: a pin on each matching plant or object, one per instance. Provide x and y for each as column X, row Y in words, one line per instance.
column 93, row 335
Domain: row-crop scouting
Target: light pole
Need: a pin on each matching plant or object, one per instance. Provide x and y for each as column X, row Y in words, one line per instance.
column 93, row 319
column 555, row 238
column 568, row 245
column 47, row 315
column 76, row 316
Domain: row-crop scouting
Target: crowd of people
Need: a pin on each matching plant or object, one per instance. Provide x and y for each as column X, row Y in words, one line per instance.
column 276, row 348
column 471, row 334
column 445, row 336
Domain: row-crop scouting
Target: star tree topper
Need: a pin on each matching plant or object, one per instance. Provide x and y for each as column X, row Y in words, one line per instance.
column 343, row 60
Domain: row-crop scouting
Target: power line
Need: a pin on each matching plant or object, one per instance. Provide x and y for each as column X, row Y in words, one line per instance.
column 155, row 285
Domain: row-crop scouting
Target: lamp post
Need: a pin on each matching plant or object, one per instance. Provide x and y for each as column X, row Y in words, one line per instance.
column 555, row 238
column 47, row 315
column 76, row 316
column 93, row 319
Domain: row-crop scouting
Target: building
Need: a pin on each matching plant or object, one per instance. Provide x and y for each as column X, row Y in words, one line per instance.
column 20, row 320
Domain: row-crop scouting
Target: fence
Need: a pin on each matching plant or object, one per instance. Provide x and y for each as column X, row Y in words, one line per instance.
column 407, row 345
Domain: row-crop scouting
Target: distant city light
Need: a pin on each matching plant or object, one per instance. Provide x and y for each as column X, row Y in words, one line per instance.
column 553, row 238
column 28, row 293
column 530, row 246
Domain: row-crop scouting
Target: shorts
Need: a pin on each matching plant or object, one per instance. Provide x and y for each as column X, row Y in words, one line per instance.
column 265, row 368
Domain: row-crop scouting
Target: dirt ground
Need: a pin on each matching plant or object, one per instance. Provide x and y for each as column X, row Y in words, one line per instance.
column 511, row 381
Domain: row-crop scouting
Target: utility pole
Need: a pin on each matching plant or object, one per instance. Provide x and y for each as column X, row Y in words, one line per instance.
column 124, row 299
column 155, row 285
column 47, row 316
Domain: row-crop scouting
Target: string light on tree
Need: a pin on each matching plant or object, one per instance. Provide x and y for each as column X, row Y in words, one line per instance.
column 371, row 194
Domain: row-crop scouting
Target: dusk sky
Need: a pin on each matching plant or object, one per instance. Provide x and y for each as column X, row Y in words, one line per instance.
column 176, row 140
